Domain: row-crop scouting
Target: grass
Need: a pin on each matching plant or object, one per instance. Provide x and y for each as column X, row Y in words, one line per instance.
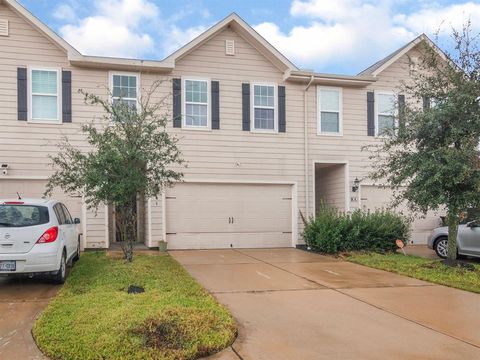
column 93, row 316
column 420, row 268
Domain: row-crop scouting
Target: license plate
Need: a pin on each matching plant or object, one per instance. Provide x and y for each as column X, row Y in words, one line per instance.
column 8, row 265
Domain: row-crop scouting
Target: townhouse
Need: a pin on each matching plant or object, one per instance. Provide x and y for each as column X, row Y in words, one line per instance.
column 263, row 139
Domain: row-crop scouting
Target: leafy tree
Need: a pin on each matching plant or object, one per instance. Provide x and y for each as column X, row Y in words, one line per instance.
column 130, row 155
column 431, row 158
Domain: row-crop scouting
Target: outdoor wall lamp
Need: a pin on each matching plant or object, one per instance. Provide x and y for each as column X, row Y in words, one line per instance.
column 356, row 184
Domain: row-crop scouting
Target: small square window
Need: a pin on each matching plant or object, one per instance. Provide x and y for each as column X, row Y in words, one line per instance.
column 124, row 89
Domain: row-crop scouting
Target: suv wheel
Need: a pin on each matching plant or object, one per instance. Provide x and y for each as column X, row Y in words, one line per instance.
column 441, row 247
column 60, row 276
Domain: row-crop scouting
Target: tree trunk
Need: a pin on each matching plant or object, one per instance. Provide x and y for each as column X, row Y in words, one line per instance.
column 452, row 221
column 128, row 228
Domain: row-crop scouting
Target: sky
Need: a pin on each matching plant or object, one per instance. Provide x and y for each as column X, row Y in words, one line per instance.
column 332, row 36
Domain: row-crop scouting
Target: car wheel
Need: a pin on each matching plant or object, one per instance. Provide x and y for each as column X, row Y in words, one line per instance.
column 441, row 247
column 60, row 276
column 77, row 254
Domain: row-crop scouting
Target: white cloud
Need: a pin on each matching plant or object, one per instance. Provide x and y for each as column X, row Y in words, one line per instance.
column 178, row 37
column 351, row 34
column 64, row 12
column 115, row 29
column 429, row 20
column 128, row 28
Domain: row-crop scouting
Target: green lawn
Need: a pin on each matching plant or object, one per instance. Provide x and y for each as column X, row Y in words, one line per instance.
column 420, row 268
column 93, row 316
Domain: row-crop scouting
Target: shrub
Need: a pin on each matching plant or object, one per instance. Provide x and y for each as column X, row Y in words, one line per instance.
column 332, row 231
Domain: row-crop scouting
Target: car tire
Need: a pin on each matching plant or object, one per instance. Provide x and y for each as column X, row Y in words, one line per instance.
column 441, row 247
column 77, row 254
column 60, row 276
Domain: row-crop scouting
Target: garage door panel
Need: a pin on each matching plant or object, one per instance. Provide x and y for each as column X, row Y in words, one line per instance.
column 224, row 215
column 227, row 240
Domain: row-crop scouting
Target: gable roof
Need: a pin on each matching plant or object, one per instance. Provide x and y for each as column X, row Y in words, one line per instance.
column 233, row 20
column 244, row 30
column 33, row 20
column 74, row 56
column 381, row 65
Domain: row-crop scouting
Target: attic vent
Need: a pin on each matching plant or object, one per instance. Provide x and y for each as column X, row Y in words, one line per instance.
column 229, row 47
column 3, row 27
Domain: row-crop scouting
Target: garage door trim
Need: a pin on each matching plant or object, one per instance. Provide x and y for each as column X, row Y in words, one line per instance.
column 294, row 209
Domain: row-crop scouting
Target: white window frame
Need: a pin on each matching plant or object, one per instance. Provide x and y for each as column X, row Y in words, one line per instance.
column 124, row 73
column 275, row 108
column 58, row 120
column 319, row 111
column 377, row 113
column 208, row 127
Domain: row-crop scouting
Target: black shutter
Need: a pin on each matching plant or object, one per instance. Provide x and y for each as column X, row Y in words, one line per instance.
column 282, row 120
column 66, row 96
column 246, row 107
column 426, row 103
column 401, row 113
column 370, row 113
column 177, row 103
column 22, row 94
column 215, row 90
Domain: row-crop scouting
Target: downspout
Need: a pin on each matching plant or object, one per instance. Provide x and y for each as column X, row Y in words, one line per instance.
column 305, row 117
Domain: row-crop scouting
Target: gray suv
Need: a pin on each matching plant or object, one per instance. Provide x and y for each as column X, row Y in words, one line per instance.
column 468, row 240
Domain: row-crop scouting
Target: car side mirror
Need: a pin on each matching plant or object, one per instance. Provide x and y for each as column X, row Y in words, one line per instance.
column 76, row 221
column 472, row 224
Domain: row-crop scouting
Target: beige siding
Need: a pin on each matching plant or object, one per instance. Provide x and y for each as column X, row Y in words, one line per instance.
column 330, row 185
column 220, row 155
column 155, row 231
column 25, row 146
column 230, row 153
column 96, row 226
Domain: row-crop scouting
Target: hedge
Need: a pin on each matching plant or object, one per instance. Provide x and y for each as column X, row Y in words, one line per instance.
column 332, row 231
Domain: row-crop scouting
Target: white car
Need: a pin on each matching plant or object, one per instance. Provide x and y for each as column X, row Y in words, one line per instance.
column 37, row 236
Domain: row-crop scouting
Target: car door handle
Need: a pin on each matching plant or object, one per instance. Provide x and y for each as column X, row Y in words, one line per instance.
column 229, row 220
column 233, row 219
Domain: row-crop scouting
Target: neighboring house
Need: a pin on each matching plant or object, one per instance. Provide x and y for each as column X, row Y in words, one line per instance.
column 264, row 140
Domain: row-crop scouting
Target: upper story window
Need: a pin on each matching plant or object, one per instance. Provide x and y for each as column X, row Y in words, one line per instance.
column 45, row 95
column 196, row 104
column 385, row 113
column 125, row 88
column 329, row 110
column 264, row 107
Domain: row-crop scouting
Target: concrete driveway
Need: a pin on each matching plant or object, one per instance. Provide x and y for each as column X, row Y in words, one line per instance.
column 20, row 303
column 291, row 304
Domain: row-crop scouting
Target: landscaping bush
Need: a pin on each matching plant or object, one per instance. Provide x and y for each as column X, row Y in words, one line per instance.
column 332, row 231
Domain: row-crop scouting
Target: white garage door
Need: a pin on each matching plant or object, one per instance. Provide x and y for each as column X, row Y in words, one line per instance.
column 35, row 189
column 374, row 197
column 208, row 216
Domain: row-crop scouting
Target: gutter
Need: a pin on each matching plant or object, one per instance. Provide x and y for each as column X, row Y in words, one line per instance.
column 305, row 117
column 328, row 79
column 100, row 62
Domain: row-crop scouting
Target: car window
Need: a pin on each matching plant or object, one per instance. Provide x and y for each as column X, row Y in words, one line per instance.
column 23, row 215
column 68, row 217
column 59, row 213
